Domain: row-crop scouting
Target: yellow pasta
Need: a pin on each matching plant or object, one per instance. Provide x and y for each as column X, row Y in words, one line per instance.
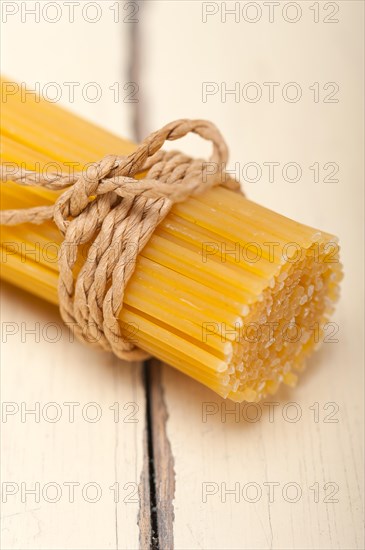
column 228, row 292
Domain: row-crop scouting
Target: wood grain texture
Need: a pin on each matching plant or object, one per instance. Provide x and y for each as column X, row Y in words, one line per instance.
column 144, row 490
column 236, row 478
column 87, row 429
column 163, row 478
column 285, row 474
column 109, row 452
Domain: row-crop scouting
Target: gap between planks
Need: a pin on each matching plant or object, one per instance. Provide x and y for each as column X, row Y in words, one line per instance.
column 157, row 483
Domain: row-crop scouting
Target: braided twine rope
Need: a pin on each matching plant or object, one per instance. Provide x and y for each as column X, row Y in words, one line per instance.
column 117, row 213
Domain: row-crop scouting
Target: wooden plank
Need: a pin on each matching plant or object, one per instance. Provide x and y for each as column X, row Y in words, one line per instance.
column 35, row 371
column 85, row 55
column 87, row 429
column 264, row 463
column 225, row 459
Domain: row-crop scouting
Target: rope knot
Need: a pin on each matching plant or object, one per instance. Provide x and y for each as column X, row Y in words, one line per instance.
column 114, row 213
column 77, row 198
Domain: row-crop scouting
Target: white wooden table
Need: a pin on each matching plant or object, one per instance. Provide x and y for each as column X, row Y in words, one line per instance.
column 139, row 456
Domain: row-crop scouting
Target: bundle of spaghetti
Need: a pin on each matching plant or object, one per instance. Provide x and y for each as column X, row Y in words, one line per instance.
column 228, row 292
